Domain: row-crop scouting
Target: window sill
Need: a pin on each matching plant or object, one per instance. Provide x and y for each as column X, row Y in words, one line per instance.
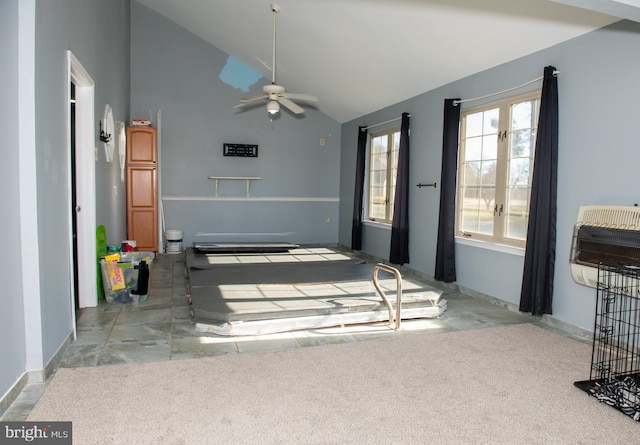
column 503, row 248
column 377, row 224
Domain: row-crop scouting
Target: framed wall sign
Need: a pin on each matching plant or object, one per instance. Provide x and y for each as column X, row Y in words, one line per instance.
column 240, row 150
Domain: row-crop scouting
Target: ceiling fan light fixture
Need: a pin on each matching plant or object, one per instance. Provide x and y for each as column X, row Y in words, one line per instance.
column 273, row 106
column 274, row 93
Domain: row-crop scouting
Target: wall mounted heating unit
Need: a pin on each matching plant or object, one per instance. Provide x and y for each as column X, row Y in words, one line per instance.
column 608, row 235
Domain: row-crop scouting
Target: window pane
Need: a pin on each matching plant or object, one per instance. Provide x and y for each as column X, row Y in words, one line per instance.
column 469, row 215
column 474, row 125
column 521, row 143
column 394, row 156
column 488, row 177
column 517, row 227
column 393, row 173
column 469, row 221
column 377, row 195
column 396, row 140
column 378, row 162
column 391, row 200
column 519, row 171
column 477, row 210
column 379, row 145
column 392, row 189
column 377, row 202
column 485, row 223
column 472, row 173
column 395, row 146
column 490, row 147
column 518, row 200
column 491, row 121
column 473, row 149
column 485, row 211
column 522, row 115
column 376, row 211
column 520, row 167
column 517, row 212
column 383, row 165
column 378, row 178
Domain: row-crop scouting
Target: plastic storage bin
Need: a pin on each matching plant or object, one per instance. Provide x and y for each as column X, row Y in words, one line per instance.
column 136, row 257
column 127, row 281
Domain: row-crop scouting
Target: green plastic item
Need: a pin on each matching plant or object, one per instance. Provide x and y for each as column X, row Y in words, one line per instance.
column 101, row 250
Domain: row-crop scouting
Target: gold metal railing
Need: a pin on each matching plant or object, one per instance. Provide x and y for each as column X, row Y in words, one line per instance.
column 394, row 317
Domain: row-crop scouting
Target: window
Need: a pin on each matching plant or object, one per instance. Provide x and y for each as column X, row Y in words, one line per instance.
column 497, row 145
column 383, row 166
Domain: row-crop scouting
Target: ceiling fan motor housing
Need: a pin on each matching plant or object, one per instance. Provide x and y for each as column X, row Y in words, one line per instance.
column 273, row 89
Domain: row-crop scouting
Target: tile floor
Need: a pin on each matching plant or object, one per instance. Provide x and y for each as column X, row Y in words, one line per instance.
column 161, row 329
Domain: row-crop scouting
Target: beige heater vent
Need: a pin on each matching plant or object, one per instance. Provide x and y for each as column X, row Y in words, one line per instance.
column 604, row 235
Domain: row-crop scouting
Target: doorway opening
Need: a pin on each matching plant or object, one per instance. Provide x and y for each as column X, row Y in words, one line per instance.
column 74, row 200
column 82, row 194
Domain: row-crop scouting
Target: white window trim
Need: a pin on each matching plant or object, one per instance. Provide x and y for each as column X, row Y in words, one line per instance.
column 484, row 242
column 487, row 245
column 365, row 191
column 365, row 196
column 378, row 224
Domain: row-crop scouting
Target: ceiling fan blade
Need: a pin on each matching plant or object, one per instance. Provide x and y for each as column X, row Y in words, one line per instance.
column 252, row 98
column 300, row 96
column 297, row 109
column 246, row 106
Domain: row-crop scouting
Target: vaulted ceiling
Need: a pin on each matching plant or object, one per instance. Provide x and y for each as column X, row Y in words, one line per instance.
column 358, row 56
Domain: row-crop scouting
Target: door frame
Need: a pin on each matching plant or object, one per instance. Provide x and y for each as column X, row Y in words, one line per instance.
column 85, row 155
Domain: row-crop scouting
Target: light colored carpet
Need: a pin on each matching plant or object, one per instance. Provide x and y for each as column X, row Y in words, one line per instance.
column 504, row 385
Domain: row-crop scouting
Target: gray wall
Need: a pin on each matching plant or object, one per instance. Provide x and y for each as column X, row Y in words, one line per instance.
column 98, row 34
column 176, row 72
column 97, row 31
column 12, row 314
column 598, row 159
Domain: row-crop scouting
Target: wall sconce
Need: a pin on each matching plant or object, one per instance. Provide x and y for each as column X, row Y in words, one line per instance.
column 106, row 133
column 104, row 137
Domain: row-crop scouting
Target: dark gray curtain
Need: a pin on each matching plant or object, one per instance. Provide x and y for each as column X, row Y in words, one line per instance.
column 356, row 226
column 445, row 251
column 539, row 259
column 399, row 253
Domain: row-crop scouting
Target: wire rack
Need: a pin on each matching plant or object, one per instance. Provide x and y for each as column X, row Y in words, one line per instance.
column 615, row 360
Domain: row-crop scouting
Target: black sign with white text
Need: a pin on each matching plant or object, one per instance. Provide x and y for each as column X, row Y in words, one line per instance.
column 240, row 150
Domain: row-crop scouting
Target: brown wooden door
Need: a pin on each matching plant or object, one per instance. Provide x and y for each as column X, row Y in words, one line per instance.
column 142, row 192
column 142, row 145
column 142, row 214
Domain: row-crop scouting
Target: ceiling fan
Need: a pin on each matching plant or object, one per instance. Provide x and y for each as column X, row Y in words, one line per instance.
column 274, row 93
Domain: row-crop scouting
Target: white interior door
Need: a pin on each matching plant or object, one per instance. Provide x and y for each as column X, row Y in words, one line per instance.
column 85, row 185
